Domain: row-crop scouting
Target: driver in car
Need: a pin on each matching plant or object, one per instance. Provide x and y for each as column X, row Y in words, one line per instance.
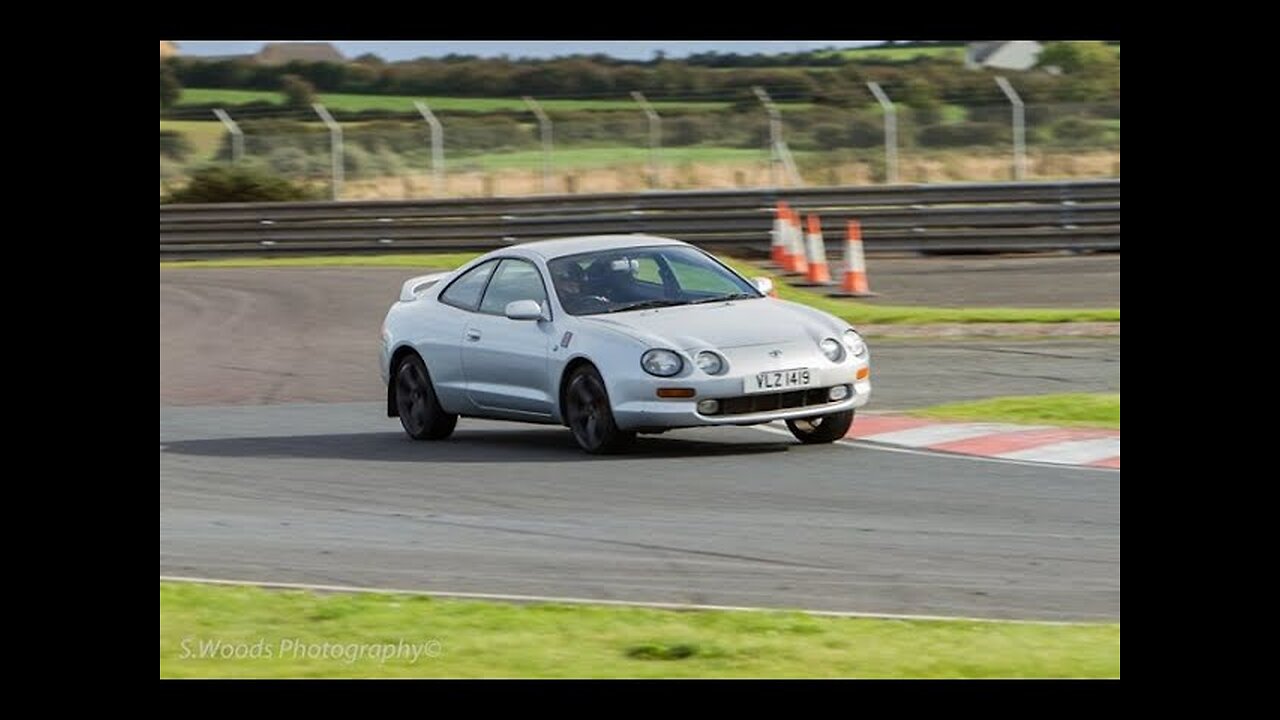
column 569, row 280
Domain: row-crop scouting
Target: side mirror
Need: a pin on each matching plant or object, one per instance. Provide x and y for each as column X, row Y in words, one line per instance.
column 764, row 285
column 524, row 310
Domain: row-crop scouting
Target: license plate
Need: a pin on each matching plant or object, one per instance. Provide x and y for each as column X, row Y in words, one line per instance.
column 777, row 380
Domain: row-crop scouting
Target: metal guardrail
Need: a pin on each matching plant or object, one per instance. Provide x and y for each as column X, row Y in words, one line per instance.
column 946, row 217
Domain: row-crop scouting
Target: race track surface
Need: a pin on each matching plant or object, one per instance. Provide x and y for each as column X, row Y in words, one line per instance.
column 277, row 463
column 337, row 494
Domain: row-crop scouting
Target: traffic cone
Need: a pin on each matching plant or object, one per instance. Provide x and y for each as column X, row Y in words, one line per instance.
column 854, row 283
column 778, row 248
column 816, row 254
column 799, row 265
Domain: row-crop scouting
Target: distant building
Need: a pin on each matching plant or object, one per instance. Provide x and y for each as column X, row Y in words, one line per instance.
column 282, row 54
column 1003, row 55
column 168, row 49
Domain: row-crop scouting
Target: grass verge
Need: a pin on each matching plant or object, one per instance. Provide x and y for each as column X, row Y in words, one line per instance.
column 1100, row 410
column 304, row 634
column 858, row 313
column 423, row 261
column 404, row 103
column 851, row 311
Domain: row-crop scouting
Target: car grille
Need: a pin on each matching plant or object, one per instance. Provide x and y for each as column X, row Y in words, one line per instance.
column 766, row 402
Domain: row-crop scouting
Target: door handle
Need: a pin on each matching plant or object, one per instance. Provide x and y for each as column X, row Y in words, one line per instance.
column 473, row 335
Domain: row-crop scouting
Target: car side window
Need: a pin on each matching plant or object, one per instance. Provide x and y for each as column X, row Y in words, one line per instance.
column 514, row 280
column 466, row 290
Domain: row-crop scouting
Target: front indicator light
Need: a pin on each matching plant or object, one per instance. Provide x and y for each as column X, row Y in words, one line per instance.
column 863, row 373
column 709, row 407
column 676, row 392
column 838, row 392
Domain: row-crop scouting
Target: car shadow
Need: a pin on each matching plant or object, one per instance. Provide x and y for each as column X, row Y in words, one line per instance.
column 480, row 446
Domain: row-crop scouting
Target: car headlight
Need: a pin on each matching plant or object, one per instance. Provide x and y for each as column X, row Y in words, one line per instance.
column 709, row 362
column 832, row 349
column 662, row 363
column 857, row 346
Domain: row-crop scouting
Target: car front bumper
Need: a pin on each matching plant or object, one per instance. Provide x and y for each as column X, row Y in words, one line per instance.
column 636, row 406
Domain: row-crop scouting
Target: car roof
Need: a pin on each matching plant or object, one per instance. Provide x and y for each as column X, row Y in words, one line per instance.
column 550, row 249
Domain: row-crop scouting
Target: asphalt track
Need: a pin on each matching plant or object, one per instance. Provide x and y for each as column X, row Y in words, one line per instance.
column 336, row 494
column 279, row 489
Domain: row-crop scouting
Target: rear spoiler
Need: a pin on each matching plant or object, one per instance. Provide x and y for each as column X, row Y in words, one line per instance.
column 414, row 287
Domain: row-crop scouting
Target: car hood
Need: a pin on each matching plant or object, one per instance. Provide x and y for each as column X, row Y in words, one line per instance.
column 730, row 324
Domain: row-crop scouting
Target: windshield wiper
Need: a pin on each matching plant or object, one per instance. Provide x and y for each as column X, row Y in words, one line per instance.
column 722, row 298
column 646, row 304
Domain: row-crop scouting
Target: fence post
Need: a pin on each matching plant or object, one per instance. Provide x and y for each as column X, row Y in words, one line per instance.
column 890, row 133
column 1019, row 130
column 544, row 127
column 775, row 133
column 655, row 138
column 335, row 143
column 237, row 137
column 437, row 148
column 779, row 154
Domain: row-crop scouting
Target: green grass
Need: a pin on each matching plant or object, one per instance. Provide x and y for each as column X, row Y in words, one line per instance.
column 1100, row 410
column 858, row 313
column 603, row 157
column 404, row 103
column 470, row 639
column 423, row 261
column 854, row 312
column 904, row 54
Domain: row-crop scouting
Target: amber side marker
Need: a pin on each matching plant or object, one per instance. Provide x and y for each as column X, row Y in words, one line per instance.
column 863, row 373
column 675, row 392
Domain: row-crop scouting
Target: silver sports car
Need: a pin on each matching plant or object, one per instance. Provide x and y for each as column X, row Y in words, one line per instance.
column 615, row 335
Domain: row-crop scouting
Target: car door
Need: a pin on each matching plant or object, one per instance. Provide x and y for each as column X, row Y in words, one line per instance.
column 439, row 338
column 504, row 360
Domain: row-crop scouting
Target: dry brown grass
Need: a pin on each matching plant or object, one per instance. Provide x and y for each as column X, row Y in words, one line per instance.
column 933, row 168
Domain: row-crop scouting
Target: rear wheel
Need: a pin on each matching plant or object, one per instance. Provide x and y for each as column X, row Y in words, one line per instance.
column 420, row 411
column 821, row 429
column 590, row 416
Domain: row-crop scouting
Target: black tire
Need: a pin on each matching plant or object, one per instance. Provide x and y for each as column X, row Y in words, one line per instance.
column 590, row 416
column 821, row 429
column 420, row 413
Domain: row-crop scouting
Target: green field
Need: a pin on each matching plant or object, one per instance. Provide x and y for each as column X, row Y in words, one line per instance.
column 304, row 634
column 856, row 313
column 404, row 103
column 1100, row 410
column 903, row 54
column 603, row 157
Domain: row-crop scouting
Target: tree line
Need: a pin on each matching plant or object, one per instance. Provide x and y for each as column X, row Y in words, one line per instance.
column 1085, row 72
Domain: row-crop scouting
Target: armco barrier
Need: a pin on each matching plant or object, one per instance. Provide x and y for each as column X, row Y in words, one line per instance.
column 946, row 217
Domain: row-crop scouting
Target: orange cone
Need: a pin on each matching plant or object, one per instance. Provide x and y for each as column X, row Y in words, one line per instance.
column 854, row 283
column 778, row 249
column 816, row 255
column 799, row 265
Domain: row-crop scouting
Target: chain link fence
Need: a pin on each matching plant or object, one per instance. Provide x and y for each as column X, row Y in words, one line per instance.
column 610, row 151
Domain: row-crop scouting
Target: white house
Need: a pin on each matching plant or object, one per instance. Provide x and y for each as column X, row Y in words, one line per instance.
column 1003, row 54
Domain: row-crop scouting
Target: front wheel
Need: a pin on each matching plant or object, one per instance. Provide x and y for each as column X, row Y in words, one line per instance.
column 590, row 416
column 821, row 429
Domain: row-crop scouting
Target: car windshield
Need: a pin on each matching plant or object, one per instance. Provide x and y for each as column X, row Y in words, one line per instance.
column 643, row 277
